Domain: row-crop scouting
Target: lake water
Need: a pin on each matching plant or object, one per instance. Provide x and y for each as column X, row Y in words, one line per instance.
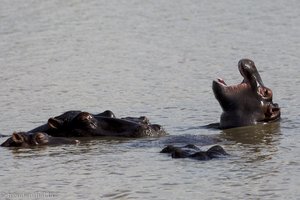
column 152, row 58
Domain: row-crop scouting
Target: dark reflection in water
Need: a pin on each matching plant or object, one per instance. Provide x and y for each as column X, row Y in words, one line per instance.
column 260, row 142
column 259, row 134
column 86, row 146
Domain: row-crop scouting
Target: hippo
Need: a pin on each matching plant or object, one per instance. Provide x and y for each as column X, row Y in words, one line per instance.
column 247, row 103
column 1, row 135
column 26, row 139
column 192, row 151
column 85, row 124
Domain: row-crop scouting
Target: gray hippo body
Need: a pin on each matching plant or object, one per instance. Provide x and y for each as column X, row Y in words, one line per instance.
column 3, row 135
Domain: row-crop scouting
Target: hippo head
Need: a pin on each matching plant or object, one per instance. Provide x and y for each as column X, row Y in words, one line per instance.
column 86, row 124
column 23, row 139
column 247, row 103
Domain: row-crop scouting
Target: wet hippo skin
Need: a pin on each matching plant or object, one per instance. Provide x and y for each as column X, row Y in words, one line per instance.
column 192, row 151
column 247, row 103
column 25, row 139
column 84, row 124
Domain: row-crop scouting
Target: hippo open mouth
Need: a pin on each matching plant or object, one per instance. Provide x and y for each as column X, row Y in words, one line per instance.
column 251, row 79
column 247, row 102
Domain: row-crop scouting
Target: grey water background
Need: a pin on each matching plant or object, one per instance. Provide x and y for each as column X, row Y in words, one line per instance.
column 152, row 58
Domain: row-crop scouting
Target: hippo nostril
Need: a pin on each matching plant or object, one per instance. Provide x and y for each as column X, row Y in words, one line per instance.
column 272, row 111
column 156, row 127
column 144, row 120
column 275, row 109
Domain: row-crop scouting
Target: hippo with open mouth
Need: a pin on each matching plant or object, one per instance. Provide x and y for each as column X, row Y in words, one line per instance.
column 247, row 103
column 23, row 139
column 84, row 124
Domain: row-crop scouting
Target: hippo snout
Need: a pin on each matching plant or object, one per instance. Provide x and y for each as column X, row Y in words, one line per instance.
column 149, row 130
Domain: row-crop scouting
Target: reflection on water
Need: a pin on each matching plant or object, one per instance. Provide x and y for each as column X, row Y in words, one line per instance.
column 260, row 142
column 266, row 134
column 87, row 145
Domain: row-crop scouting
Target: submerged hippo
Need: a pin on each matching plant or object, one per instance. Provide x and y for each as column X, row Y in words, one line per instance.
column 3, row 135
column 23, row 139
column 192, row 151
column 247, row 103
column 84, row 124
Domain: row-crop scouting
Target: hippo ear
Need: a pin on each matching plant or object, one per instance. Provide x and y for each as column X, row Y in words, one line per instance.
column 17, row 138
column 40, row 138
column 55, row 123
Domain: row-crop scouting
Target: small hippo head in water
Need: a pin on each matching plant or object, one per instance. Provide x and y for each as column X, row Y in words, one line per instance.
column 23, row 139
column 84, row 124
column 247, row 103
column 192, row 151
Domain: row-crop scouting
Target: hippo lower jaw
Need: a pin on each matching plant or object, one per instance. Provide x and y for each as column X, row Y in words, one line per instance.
column 272, row 113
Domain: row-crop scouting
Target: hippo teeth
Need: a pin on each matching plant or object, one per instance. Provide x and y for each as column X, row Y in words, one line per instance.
column 221, row 81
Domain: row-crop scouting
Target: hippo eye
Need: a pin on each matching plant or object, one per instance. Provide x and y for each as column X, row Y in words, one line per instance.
column 88, row 117
column 86, row 120
column 84, row 116
column 40, row 136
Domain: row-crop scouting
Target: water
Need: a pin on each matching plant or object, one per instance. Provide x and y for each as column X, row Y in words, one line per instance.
column 153, row 58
